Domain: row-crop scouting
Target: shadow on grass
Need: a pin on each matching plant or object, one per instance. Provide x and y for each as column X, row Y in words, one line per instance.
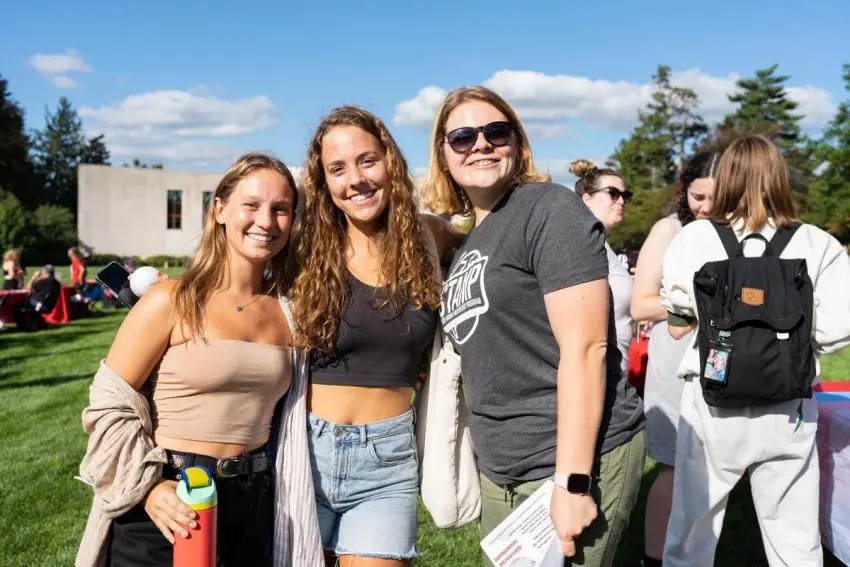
column 13, row 361
column 44, row 382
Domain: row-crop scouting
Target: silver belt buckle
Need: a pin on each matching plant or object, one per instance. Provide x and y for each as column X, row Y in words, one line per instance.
column 219, row 468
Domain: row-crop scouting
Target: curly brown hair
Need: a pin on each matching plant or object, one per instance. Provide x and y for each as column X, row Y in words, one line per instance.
column 321, row 289
column 207, row 271
column 701, row 166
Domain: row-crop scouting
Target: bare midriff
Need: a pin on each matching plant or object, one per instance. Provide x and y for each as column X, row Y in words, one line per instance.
column 357, row 405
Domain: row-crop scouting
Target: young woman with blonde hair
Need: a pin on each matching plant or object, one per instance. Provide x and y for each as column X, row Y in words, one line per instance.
column 365, row 307
column 13, row 272
column 211, row 353
column 527, row 305
column 772, row 441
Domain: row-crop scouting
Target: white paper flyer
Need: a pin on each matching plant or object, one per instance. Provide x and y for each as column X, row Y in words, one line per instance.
column 526, row 538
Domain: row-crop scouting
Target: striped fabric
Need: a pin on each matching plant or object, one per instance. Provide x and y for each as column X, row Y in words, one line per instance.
column 118, row 424
column 297, row 541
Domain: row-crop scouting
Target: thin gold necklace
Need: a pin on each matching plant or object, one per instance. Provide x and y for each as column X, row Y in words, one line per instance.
column 240, row 308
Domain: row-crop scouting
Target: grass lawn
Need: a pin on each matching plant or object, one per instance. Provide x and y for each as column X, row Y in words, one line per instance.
column 44, row 380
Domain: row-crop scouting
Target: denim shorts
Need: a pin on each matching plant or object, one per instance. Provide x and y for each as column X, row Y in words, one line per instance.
column 366, row 479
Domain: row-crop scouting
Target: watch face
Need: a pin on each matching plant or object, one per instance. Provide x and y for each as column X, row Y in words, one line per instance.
column 578, row 483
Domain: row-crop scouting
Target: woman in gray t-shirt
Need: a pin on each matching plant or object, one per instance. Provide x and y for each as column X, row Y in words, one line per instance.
column 605, row 194
column 527, row 305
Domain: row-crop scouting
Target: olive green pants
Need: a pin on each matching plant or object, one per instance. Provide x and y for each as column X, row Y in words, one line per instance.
column 619, row 471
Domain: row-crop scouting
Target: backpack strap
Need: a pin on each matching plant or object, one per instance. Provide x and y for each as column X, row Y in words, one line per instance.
column 727, row 237
column 781, row 239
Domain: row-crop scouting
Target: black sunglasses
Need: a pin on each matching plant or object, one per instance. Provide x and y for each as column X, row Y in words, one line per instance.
column 616, row 193
column 496, row 133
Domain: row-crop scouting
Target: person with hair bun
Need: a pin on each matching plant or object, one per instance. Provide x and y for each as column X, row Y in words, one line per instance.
column 662, row 390
column 605, row 194
column 527, row 305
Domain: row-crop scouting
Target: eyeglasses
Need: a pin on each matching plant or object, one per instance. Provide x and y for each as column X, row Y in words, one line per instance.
column 463, row 139
column 616, row 193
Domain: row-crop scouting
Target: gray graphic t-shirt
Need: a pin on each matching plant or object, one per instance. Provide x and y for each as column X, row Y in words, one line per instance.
column 540, row 239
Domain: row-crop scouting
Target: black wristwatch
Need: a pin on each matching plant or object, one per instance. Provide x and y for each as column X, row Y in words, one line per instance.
column 574, row 483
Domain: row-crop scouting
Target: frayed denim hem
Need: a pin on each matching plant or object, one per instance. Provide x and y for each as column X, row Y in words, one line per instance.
column 411, row 555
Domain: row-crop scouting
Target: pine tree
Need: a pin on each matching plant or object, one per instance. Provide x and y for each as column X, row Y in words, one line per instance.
column 95, row 151
column 15, row 167
column 829, row 194
column 650, row 158
column 676, row 115
column 764, row 107
column 58, row 149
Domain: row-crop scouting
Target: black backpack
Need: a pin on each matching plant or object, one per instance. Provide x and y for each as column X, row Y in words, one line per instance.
column 755, row 324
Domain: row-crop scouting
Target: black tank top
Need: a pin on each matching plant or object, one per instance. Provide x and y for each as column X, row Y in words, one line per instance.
column 372, row 347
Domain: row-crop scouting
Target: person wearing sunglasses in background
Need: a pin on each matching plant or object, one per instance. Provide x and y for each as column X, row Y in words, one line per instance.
column 605, row 194
column 526, row 304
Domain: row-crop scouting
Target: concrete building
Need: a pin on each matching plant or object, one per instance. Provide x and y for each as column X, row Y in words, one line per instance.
column 141, row 212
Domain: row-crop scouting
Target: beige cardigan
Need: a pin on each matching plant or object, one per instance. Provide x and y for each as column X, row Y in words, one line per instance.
column 122, row 465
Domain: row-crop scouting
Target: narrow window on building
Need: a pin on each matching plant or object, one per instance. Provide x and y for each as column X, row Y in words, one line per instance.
column 175, row 209
column 207, row 197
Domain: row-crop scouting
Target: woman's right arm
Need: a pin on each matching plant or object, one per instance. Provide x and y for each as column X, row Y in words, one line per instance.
column 138, row 347
column 646, row 292
column 143, row 336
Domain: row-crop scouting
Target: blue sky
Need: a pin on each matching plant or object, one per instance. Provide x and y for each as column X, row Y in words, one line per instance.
column 192, row 83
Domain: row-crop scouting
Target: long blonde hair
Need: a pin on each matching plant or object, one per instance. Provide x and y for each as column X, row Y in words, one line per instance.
column 321, row 288
column 440, row 194
column 752, row 184
column 207, row 272
column 13, row 255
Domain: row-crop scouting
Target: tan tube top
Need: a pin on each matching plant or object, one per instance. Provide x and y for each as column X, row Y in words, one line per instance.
column 220, row 391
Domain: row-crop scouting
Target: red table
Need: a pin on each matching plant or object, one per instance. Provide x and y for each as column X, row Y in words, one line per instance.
column 11, row 299
column 65, row 310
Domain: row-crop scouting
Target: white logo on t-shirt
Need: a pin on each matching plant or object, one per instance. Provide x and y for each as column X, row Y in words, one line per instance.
column 464, row 296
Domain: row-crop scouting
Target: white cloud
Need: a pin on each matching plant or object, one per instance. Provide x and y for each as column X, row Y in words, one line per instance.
column 550, row 101
column 178, row 126
column 59, row 63
column 537, row 129
column 63, row 82
column 419, row 111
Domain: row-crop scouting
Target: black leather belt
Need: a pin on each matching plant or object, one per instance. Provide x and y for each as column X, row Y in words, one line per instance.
column 247, row 464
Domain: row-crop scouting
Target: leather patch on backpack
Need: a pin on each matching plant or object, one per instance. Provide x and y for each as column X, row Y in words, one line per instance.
column 752, row 296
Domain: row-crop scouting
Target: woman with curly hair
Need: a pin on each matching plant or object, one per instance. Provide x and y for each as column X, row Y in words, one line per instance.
column 662, row 392
column 365, row 306
column 527, row 305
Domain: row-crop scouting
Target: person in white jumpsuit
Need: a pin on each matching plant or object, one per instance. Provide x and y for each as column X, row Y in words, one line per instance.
column 775, row 444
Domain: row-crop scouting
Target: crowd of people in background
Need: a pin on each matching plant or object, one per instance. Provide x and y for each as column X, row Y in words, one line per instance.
column 306, row 328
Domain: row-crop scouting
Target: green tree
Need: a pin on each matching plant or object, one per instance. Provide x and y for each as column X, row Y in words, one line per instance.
column 139, row 163
column 95, row 151
column 53, row 232
column 14, row 222
column 829, row 194
column 764, row 107
column 57, row 150
column 649, row 159
column 676, row 116
column 15, row 167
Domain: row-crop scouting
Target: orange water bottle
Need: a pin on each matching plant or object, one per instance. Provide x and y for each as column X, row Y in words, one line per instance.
column 197, row 489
